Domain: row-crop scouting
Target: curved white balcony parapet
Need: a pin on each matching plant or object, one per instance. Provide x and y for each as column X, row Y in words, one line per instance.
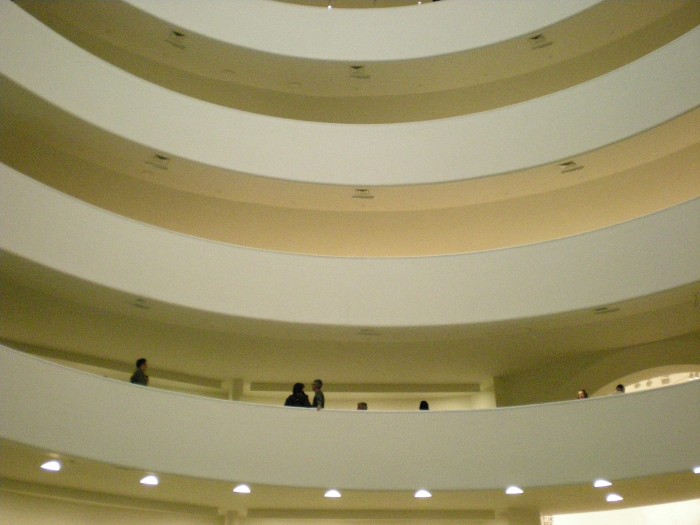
column 361, row 34
column 638, row 258
column 617, row 437
column 611, row 108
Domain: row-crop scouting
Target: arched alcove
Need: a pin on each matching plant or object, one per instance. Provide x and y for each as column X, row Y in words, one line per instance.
column 656, row 377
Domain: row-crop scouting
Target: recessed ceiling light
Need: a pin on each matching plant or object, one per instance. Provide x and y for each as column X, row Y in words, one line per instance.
column 140, row 302
column 514, row 490
column 599, row 483
column 332, row 493
column 52, row 466
column 569, row 166
column 612, row 498
column 241, row 489
column 539, row 41
column 422, row 493
column 605, row 310
column 159, row 161
column 358, row 71
column 149, row 480
column 176, row 39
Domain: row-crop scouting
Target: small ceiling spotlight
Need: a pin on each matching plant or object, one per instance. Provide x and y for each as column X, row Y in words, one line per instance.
column 569, row 166
column 140, row 302
column 513, row 490
column 241, row 489
column 539, row 41
column 606, row 310
column 422, row 493
column 362, row 193
column 150, row 480
column 332, row 493
column 613, row 498
column 176, row 39
column 52, row 466
column 359, row 71
column 600, row 483
column 159, row 161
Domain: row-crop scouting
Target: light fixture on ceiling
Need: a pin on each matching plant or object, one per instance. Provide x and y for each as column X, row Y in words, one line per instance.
column 150, row 480
column 332, row 493
column 358, row 71
column 600, row 483
column 159, row 161
column 539, row 41
column 605, row 310
column 422, row 493
column 176, row 39
column 613, row 498
column 569, row 166
column 140, row 302
column 362, row 193
column 52, row 466
column 696, row 470
column 513, row 490
column 241, row 489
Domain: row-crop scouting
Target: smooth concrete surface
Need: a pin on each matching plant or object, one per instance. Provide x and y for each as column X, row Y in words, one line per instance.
column 549, row 129
column 622, row 262
column 376, row 34
column 614, row 437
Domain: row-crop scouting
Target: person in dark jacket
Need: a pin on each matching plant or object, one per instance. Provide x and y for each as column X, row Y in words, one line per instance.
column 298, row 397
column 319, row 401
column 139, row 377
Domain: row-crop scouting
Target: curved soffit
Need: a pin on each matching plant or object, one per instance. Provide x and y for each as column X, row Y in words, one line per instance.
column 573, row 51
column 362, row 34
column 606, row 266
column 624, row 181
column 538, row 132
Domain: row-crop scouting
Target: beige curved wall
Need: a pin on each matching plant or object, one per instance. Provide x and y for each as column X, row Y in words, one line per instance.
column 165, row 432
column 602, row 267
column 363, row 34
column 541, row 131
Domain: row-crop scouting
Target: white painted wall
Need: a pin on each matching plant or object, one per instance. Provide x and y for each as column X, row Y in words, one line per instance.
column 158, row 431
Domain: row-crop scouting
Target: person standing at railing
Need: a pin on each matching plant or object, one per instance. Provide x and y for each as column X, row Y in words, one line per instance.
column 140, row 377
column 319, row 401
column 298, row 397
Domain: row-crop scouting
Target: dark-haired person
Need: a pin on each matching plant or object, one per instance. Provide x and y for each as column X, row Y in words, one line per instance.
column 319, row 401
column 298, row 397
column 140, row 377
